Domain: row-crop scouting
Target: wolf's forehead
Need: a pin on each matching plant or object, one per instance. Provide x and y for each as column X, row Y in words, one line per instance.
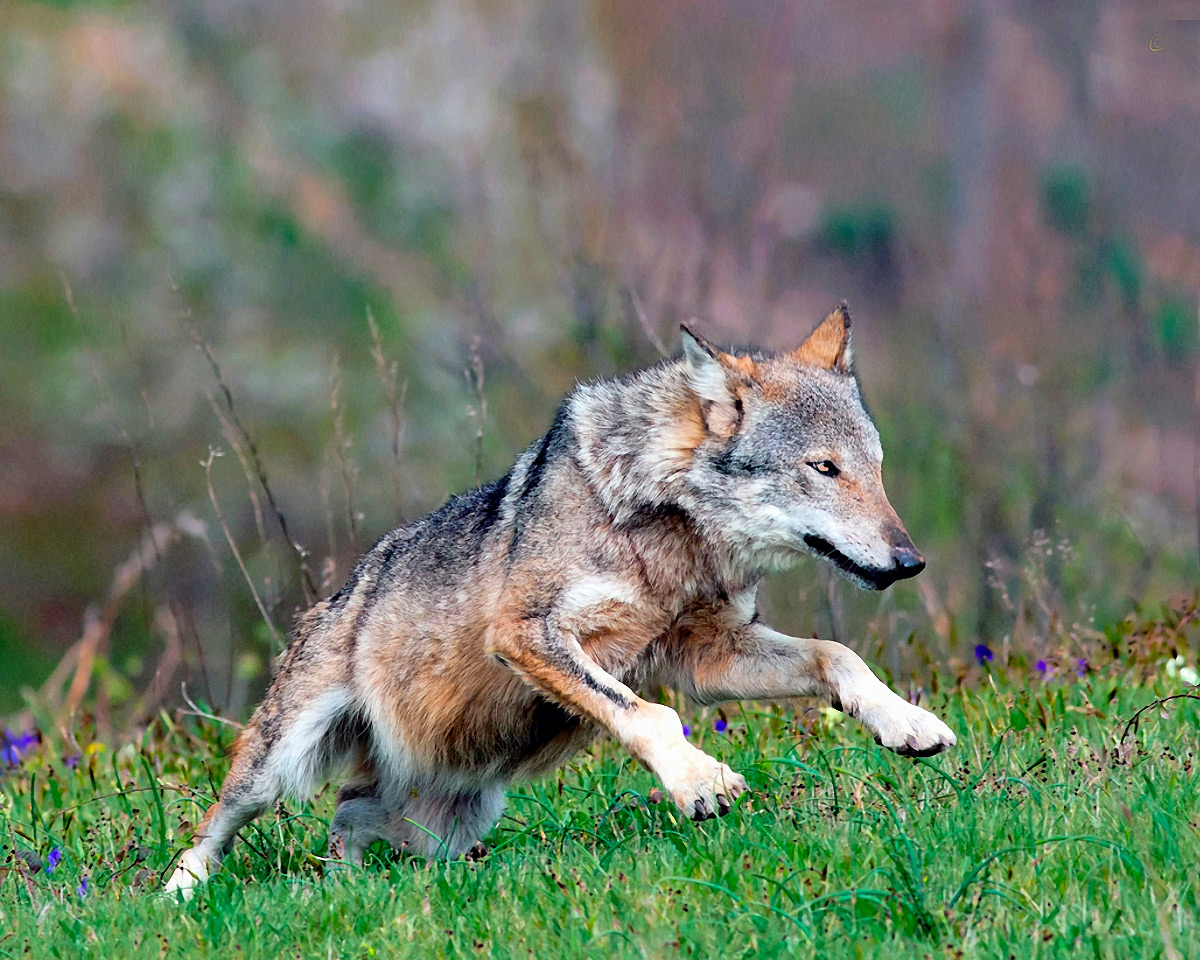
column 818, row 409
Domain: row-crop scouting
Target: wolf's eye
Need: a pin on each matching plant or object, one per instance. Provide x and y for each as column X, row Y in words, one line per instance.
column 826, row 467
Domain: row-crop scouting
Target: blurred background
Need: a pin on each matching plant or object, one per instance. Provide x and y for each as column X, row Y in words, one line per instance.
column 275, row 276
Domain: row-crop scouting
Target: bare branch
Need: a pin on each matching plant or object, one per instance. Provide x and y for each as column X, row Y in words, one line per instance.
column 99, row 618
column 197, row 712
column 231, row 436
column 388, row 375
column 306, row 579
column 212, row 496
column 478, row 412
column 639, row 311
column 341, row 450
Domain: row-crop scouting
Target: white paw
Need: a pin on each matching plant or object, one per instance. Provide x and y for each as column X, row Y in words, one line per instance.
column 190, row 873
column 907, row 729
column 701, row 787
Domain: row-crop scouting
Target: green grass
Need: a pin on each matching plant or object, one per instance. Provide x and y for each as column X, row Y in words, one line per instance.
column 1038, row 836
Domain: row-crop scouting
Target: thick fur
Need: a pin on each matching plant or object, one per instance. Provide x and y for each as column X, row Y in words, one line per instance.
column 492, row 639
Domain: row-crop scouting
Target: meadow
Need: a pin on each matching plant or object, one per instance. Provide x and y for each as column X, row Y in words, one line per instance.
column 1065, row 823
column 277, row 277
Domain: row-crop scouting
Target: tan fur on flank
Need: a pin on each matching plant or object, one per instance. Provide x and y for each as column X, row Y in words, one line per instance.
column 492, row 639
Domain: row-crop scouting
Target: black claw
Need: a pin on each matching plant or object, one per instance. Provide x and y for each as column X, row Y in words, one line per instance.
column 723, row 804
column 909, row 750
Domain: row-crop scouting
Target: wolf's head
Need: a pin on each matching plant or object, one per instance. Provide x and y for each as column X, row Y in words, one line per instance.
column 790, row 462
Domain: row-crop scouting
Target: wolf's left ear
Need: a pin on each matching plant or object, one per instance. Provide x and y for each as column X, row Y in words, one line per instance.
column 828, row 347
column 712, row 375
column 705, row 370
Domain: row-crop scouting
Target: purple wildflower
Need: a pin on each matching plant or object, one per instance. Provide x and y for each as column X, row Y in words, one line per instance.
column 1041, row 667
column 1081, row 668
column 82, row 889
column 983, row 653
column 687, row 731
column 12, row 745
column 53, row 859
column 72, row 761
column 721, row 725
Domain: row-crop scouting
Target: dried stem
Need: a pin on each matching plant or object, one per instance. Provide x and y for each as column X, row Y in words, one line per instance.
column 230, row 434
column 1136, row 719
column 195, row 711
column 168, row 663
column 306, row 578
column 182, row 614
column 341, row 451
column 212, row 496
column 639, row 311
column 325, row 489
column 99, row 618
column 388, row 375
column 478, row 412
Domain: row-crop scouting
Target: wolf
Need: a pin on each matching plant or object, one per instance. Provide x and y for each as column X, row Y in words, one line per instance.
column 491, row 640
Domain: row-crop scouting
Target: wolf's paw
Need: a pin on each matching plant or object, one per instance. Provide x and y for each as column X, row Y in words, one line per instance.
column 191, row 871
column 908, row 729
column 703, row 788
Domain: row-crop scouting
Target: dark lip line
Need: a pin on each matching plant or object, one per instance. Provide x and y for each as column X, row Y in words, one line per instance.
column 877, row 579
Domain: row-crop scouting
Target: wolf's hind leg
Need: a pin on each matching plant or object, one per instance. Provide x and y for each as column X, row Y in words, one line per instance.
column 447, row 825
column 432, row 824
column 359, row 817
column 357, row 823
column 287, row 748
column 250, row 788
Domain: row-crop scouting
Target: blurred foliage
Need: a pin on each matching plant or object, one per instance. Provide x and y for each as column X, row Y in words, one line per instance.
column 867, row 231
column 1067, row 199
column 526, row 195
column 1175, row 328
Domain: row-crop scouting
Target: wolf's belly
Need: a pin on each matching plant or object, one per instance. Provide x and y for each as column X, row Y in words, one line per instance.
column 484, row 721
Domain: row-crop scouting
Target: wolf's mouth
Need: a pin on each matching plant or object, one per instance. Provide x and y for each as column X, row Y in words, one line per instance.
column 865, row 576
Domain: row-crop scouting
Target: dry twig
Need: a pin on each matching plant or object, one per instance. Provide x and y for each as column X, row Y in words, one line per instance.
column 212, row 496
column 478, row 412
column 79, row 661
column 341, row 452
column 306, row 578
column 388, row 375
column 1135, row 720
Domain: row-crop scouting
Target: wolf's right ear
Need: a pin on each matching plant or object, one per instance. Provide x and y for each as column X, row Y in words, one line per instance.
column 828, row 347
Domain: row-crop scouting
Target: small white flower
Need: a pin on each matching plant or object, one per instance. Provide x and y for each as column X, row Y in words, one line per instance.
column 1190, row 675
column 1173, row 667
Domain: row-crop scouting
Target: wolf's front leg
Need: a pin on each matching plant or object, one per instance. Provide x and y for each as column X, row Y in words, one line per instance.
column 554, row 663
column 714, row 661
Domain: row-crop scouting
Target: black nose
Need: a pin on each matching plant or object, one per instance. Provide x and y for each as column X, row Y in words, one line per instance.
column 907, row 561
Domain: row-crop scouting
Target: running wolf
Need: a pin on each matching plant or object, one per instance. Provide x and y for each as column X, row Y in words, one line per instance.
column 494, row 638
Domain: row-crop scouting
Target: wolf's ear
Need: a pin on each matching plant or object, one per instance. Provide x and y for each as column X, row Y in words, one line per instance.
column 705, row 370
column 828, row 346
column 714, row 376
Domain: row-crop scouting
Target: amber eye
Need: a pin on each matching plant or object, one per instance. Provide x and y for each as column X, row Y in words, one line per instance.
column 826, row 467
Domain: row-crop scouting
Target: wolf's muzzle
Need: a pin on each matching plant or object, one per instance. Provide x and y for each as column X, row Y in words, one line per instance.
column 907, row 562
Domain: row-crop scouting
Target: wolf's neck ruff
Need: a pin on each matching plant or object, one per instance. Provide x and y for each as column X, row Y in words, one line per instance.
column 492, row 639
